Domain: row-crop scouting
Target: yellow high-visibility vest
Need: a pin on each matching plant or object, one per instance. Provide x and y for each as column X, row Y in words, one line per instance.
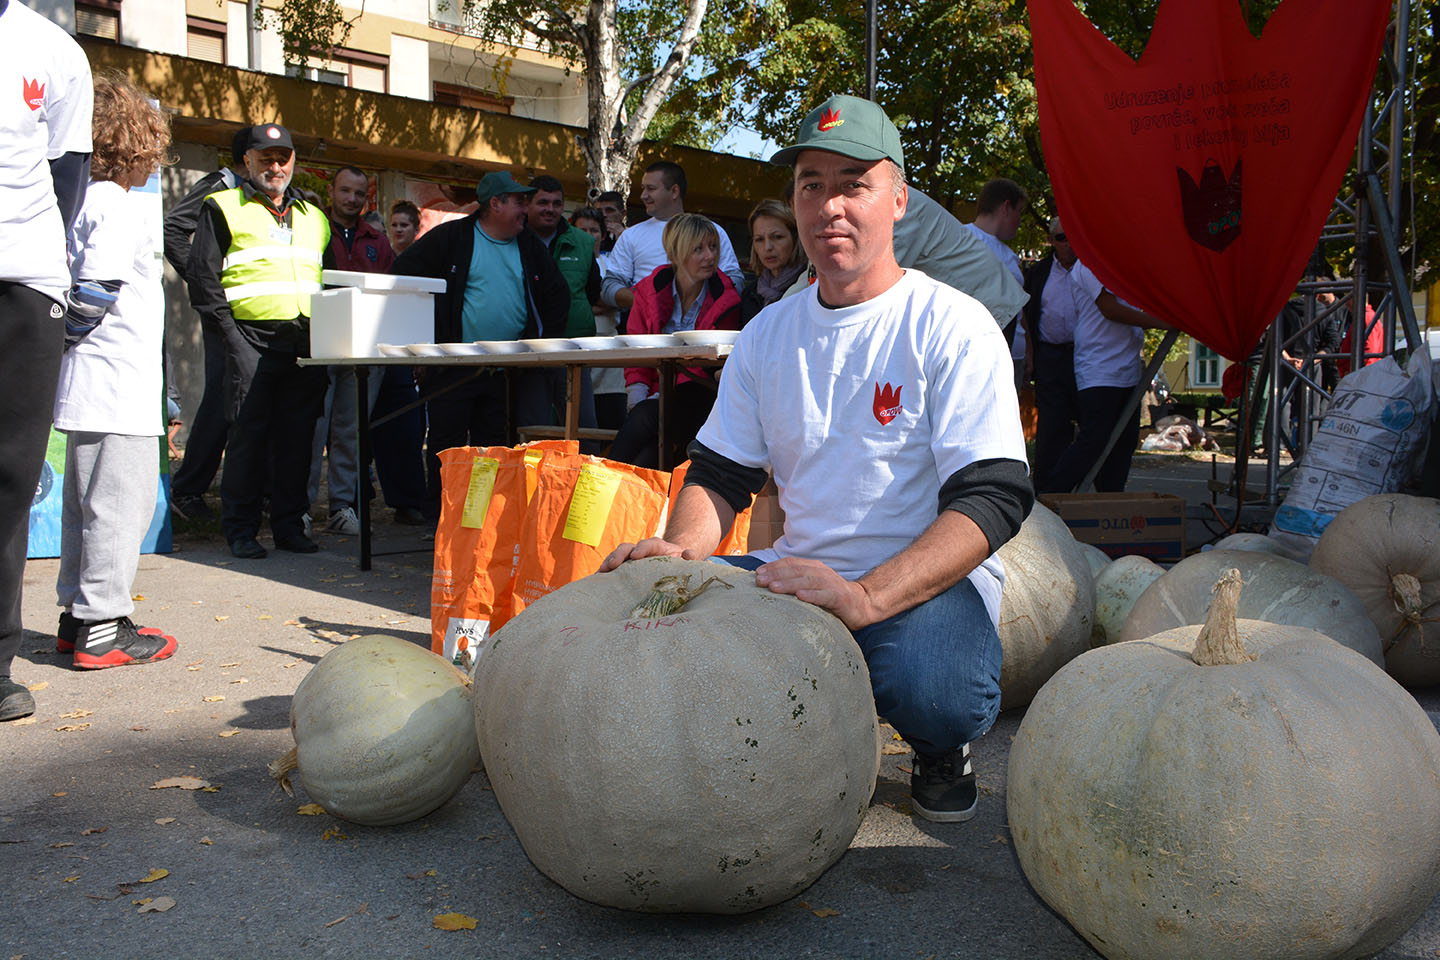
column 270, row 270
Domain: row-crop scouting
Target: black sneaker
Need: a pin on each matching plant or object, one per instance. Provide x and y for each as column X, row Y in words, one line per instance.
column 69, row 629
column 296, row 543
column 15, row 700
column 410, row 517
column 190, row 507
column 942, row 788
column 119, row 643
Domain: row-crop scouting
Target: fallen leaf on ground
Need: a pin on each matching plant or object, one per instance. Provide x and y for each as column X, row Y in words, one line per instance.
column 823, row 912
column 164, row 820
column 264, row 616
column 292, row 663
column 71, row 727
column 1001, row 839
column 76, row 714
column 184, row 783
column 156, row 873
column 234, row 663
column 138, row 597
column 396, row 623
column 292, row 623
column 311, row 810
column 207, row 841
column 363, row 908
column 214, row 789
column 228, row 733
column 142, row 901
column 58, row 793
column 158, row 905
column 333, row 833
column 216, row 699
column 89, row 830
column 240, row 680
column 193, row 667
column 62, row 843
column 140, row 729
column 454, row 921
column 221, row 617
column 72, row 879
column 37, row 685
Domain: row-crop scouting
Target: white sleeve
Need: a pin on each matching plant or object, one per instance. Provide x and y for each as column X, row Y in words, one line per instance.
column 1085, row 284
column 729, row 263
column 69, row 102
column 105, row 243
column 970, row 392
column 733, row 428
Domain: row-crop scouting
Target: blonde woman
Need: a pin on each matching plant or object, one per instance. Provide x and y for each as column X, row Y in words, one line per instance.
column 107, row 403
column 688, row 293
column 775, row 255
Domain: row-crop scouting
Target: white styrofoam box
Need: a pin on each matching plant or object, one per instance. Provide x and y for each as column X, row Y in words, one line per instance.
column 372, row 308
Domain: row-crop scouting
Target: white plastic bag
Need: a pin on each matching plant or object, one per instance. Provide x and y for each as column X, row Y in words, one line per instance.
column 1372, row 440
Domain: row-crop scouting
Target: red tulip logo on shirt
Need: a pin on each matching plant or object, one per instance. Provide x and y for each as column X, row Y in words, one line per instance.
column 887, row 403
column 34, row 94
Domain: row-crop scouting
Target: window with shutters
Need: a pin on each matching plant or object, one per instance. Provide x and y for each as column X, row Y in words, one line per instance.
column 450, row 95
column 1205, row 367
column 348, row 68
column 98, row 18
column 204, row 39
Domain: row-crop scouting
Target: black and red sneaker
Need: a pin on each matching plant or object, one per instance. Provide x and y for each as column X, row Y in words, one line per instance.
column 119, row 643
column 70, row 626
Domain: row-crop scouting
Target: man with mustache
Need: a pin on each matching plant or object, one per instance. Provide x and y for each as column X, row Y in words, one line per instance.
column 255, row 261
column 883, row 403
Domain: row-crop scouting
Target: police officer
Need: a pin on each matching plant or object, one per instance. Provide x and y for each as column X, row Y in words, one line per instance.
column 254, row 264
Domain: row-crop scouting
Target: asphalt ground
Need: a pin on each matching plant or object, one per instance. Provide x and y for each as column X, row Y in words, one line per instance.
column 82, row 827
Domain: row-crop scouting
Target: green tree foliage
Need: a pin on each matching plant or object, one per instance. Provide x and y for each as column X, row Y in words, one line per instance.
column 309, row 29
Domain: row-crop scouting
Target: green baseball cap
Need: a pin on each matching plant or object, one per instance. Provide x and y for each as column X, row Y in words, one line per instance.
column 498, row 183
column 849, row 126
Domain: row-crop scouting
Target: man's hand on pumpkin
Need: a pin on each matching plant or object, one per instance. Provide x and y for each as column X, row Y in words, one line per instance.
column 651, row 547
column 814, row 582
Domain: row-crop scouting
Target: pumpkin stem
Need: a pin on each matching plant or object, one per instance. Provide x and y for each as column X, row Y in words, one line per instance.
column 282, row 768
column 1405, row 594
column 1219, row 642
column 669, row 595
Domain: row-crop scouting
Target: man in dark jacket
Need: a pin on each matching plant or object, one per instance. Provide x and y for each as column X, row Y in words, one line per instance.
column 1049, row 317
column 500, row 284
column 206, row 442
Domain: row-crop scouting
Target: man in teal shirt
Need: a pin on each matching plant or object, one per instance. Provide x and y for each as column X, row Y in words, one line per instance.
column 500, row 284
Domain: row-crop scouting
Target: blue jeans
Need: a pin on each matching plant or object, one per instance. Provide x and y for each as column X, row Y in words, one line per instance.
column 934, row 669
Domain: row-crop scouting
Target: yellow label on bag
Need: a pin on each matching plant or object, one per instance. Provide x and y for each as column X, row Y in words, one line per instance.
column 532, row 472
column 590, row 504
column 477, row 498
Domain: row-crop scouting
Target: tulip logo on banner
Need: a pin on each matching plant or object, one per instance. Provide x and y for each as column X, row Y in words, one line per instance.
column 1194, row 182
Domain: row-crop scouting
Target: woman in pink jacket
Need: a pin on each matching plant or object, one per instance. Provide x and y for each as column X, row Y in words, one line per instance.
column 688, row 293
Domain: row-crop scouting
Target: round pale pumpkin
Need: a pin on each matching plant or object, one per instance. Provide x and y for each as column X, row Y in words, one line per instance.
column 384, row 731
column 1097, row 559
column 1386, row 549
column 1250, row 809
column 1257, row 542
column 715, row 759
column 1117, row 587
column 1047, row 606
column 1277, row 591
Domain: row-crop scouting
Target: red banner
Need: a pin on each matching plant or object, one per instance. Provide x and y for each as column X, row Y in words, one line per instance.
column 1194, row 183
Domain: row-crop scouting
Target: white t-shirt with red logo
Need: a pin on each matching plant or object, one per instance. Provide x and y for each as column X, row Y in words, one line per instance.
column 46, row 101
column 862, row 412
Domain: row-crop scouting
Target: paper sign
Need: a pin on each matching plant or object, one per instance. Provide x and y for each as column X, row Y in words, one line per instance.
column 477, row 498
column 590, row 504
column 532, row 472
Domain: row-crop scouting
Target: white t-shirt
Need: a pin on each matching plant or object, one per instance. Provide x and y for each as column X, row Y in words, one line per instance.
column 45, row 113
column 641, row 249
column 1057, row 306
column 862, row 412
column 1107, row 354
column 111, row 382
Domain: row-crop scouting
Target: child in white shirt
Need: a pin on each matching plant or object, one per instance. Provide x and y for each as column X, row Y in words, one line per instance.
column 110, row 403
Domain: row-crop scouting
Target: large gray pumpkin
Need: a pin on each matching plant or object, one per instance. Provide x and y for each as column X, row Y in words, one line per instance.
column 1047, row 606
column 1386, row 549
column 1275, row 809
column 715, row 760
column 1277, row 590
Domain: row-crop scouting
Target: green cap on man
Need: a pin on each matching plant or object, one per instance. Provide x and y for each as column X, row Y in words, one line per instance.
column 849, row 126
column 497, row 184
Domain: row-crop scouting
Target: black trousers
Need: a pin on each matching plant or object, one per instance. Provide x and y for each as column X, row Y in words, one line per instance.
column 34, row 327
column 638, row 441
column 271, row 438
column 1100, row 411
column 206, row 441
column 472, row 414
column 1057, row 406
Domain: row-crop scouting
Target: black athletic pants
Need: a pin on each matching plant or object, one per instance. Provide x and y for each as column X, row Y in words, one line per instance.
column 33, row 327
column 1057, row 406
column 1100, row 410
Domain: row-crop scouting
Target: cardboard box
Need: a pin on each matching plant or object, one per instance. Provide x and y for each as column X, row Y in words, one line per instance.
column 1145, row 524
column 767, row 520
column 370, row 309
